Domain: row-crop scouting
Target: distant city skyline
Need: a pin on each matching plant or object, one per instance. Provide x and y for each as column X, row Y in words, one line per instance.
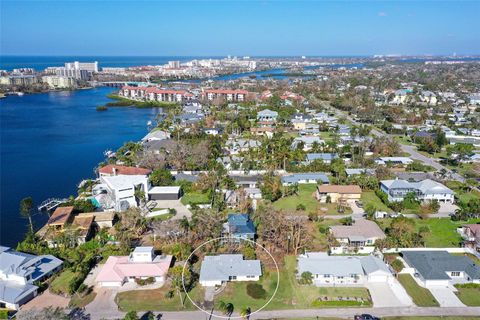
column 254, row 28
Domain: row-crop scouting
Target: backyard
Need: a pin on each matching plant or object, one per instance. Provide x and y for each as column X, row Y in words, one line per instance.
column 195, row 198
column 370, row 198
column 60, row 284
column 306, row 198
column 421, row 297
column 290, row 294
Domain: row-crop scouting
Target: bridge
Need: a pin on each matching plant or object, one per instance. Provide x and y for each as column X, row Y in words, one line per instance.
column 51, row 204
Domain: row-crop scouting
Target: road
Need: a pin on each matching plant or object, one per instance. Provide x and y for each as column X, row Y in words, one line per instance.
column 412, row 150
column 302, row 313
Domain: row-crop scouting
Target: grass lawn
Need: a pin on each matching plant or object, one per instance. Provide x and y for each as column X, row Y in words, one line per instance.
column 319, row 241
column 195, row 198
column 404, row 140
column 290, row 294
column 421, row 297
column 306, row 197
column 60, row 284
column 469, row 294
column 369, row 197
column 156, row 300
column 443, row 231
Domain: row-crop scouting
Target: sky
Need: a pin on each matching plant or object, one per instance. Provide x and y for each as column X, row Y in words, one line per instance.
column 245, row 27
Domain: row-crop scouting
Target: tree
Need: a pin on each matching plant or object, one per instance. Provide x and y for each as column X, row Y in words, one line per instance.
column 306, row 278
column 26, row 206
column 161, row 177
column 131, row 315
column 181, row 278
column 246, row 312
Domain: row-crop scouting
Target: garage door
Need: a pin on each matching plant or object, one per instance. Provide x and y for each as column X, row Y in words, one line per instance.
column 378, row 278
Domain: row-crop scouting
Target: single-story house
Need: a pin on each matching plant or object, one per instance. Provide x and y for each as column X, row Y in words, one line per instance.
column 19, row 271
column 343, row 270
column 239, row 226
column 394, row 160
column 359, row 171
column 426, row 190
column 338, row 193
column 307, row 142
column 102, row 219
column 165, row 193
column 216, row 270
column 325, row 157
column 359, row 237
column 60, row 218
column 156, row 135
column 142, row 263
column 440, row 268
column 304, row 178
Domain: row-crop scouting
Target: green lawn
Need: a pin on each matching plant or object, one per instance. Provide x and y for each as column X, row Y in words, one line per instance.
column 469, row 294
column 290, row 294
column 195, row 198
column 369, row 197
column 156, row 300
column 306, row 197
column 421, row 297
column 60, row 284
column 443, row 231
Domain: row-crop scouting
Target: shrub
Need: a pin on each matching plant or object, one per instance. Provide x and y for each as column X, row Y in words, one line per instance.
column 468, row 285
column 3, row 314
column 301, row 207
column 313, row 216
column 397, row 265
column 306, row 278
column 256, row 291
column 144, row 282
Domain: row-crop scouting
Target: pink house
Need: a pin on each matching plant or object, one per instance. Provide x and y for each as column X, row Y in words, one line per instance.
column 141, row 264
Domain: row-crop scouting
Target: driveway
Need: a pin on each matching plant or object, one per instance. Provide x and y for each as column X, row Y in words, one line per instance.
column 46, row 299
column 388, row 295
column 445, row 296
column 357, row 212
column 103, row 304
column 182, row 211
column 446, row 209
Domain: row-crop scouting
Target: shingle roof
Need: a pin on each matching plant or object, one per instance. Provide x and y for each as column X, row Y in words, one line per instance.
column 295, row 178
column 123, row 170
column 333, row 188
column 434, row 265
column 361, row 228
column 60, row 216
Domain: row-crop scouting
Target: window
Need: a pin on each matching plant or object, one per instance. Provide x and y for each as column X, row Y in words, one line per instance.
column 455, row 273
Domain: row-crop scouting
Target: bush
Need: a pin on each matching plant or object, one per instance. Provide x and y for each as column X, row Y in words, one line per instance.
column 313, row 216
column 3, row 314
column 144, row 282
column 397, row 265
column 102, row 108
column 301, row 207
column 256, row 291
column 468, row 285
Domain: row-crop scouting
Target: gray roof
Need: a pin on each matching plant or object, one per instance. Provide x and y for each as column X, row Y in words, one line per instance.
column 223, row 266
column 322, row 156
column 338, row 266
column 296, row 177
column 434, row 265
column 188, row 177
column 12, row 292
column 426, row 186
column 359, row 171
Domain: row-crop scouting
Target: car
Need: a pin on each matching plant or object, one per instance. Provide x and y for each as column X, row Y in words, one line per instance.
column 365, row 317
column 359, row 204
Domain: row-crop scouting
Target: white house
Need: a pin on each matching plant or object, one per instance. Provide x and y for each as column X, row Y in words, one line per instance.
column 222, row 268
column 343, row 270
column 19, row 271
column 121, row 189
column 425, row 190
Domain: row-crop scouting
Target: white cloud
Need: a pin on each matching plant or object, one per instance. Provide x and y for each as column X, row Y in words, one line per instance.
column 382, row 14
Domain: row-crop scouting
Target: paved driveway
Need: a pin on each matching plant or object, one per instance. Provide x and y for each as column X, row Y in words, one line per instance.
column 103, row 304
column 388, row 295
column 182, row 211
column 357, row 212
column 445, row 296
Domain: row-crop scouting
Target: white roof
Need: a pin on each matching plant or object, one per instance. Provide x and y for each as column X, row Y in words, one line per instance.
column 164, row 190
column 124, row 181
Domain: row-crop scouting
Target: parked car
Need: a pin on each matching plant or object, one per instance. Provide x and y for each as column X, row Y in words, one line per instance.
column 365, row 317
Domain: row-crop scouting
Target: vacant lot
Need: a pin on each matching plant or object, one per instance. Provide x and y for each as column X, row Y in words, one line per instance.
column 370, row 198
column 290, row 294
column 60, row 284
column 195, row 198
column 306, row 198
column 421, row 297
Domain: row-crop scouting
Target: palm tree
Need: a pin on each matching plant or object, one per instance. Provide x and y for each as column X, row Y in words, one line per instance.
column 246, row 312
column 26, row 206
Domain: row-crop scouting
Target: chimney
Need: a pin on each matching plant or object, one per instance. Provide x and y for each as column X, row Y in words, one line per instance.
column 114, row 170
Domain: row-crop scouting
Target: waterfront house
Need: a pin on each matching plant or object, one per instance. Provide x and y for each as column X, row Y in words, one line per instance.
column 425, row 190
column 121, row 189
column 156, row 135
column 142, row 263
column 116, row 170
column 60, row 218
column 360, row 237
column 222, row 268
column 329, row 270
column 19, row 271
column 338, row 193
column 440, row 268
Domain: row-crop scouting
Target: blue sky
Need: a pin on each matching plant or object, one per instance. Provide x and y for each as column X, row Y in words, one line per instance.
column 192, row 28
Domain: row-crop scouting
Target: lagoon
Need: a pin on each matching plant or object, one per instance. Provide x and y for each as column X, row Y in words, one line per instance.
column 51, row 141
